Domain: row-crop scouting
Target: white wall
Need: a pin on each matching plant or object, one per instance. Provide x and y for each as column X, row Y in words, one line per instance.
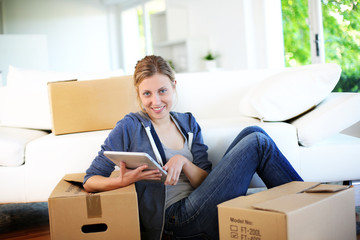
column 23, row 51
column 76, row 30
column 247, row 34
column 222, row 24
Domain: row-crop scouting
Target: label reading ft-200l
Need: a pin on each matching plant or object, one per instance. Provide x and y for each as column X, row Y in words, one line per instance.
column 242, row 229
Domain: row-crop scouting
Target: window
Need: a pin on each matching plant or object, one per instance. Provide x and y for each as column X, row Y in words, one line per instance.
column 135, row 28
column 341, row 26
column 342, row 40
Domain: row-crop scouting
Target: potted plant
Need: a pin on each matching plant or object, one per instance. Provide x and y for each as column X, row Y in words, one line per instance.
column 210, row 61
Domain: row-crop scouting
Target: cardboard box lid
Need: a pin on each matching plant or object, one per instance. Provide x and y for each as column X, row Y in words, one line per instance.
column 278, row 199
column 71, row 186
column 80, row 106
column 292, row 202
column 273, row 193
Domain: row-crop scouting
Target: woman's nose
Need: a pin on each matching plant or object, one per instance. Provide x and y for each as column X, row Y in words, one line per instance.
column 155, row 99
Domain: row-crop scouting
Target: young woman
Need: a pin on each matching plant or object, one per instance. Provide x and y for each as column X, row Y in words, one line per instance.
column 185, row 205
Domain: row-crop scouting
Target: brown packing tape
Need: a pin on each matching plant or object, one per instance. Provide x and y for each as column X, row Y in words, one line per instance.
column 93, row 206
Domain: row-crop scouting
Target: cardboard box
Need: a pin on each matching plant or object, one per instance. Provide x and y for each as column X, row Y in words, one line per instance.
column 75, row 214
column 81, row 106
column 297, row 210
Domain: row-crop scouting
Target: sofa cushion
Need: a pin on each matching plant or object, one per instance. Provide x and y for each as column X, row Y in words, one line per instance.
column 27, row 102
column 217, row 92
column 68, row 153
column 26, row 107
column 13, row 142
column 291, row 92
column 336, row 113
column 26, row 98
column 13, row 184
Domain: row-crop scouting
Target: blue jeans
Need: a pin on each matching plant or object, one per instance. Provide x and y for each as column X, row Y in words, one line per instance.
column 195, row 217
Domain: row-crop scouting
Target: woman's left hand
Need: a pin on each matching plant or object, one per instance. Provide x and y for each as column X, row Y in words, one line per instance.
column 174, row 167
column 179, row 163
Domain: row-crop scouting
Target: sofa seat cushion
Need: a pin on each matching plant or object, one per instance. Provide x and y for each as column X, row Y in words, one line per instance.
column 336, row 113
column 58, row 155
column 12, row 184
column 13, row 142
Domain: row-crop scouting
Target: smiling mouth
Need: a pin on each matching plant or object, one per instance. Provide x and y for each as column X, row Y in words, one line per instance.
column 158, row 109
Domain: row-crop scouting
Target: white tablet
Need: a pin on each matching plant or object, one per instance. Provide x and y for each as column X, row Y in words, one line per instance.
column 134, row 160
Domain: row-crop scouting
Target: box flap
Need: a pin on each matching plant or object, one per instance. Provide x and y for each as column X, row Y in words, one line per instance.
column 71, row 186
column 293, row 202
column 79, row 177
column 67, row 188
column 61, row 81
column 75, row 177
column 326, row 188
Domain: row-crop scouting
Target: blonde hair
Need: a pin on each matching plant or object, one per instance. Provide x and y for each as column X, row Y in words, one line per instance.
column 148, row 67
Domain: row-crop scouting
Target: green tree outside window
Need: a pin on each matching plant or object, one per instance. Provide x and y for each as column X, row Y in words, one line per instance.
column 341, row 22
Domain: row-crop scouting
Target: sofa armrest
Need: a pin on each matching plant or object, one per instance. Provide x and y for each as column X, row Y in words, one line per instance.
column 336, row 113
column 2, row 101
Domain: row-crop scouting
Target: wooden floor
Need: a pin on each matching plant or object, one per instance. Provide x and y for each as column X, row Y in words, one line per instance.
column 24, row 221
column 38, row 233
column 42, row 233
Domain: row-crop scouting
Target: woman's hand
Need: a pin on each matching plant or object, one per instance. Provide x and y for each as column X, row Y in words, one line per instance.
column 179, row 163
column 125, row 177
column 173, row 168
column 129, row 176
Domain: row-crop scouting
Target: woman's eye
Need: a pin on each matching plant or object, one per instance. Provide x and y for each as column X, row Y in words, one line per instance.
column 146, row 94
column 163, row 90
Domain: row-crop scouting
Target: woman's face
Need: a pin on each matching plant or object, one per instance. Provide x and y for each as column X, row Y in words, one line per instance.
column 156, row 94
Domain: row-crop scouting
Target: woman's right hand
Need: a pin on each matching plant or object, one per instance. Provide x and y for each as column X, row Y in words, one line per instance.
column 129, row 176
column 125, row 177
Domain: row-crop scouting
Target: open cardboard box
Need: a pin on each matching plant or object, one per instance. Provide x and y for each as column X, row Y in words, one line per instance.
column 75, row 214
column 293, row 211
column 81, row 106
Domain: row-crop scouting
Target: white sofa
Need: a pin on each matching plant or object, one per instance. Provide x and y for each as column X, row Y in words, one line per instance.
column 319, row 144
